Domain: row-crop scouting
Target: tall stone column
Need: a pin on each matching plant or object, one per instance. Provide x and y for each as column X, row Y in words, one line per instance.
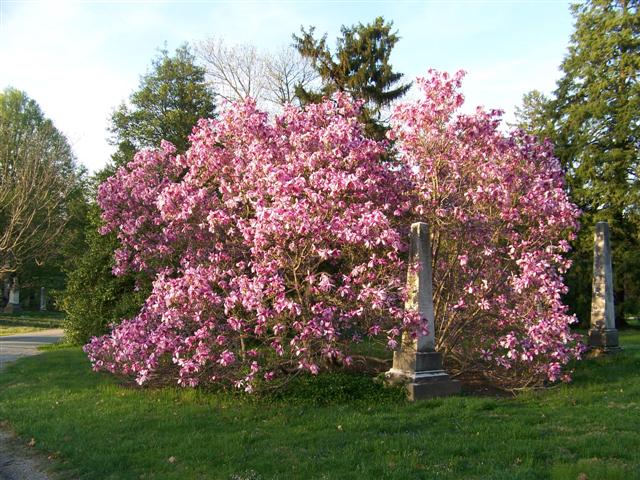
column 43, row 300
column 603, row 334
column 417, row 363
column 14, row 298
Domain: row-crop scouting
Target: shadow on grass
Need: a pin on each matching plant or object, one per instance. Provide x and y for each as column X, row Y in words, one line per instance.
column 66, row 368
column 615, row 368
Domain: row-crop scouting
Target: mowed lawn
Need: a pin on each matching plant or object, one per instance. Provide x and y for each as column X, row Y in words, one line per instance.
column 334, row 427
column 28, row 322
column 13, row 330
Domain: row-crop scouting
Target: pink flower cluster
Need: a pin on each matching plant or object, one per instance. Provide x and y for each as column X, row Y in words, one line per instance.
column 501, row 219
column 275, row 246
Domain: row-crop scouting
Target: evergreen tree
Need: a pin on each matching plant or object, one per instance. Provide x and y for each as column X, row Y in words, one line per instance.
column 170, row 99
column 360, row 66
column 533, row 116
column 593, row 120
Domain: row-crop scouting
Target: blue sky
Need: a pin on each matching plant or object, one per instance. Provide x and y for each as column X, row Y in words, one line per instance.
column 80, row 59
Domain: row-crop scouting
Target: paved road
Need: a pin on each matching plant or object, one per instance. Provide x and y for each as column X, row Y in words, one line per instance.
column 16, row 462
column 14, row 346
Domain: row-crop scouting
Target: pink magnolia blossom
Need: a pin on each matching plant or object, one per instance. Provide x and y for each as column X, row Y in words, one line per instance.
column 281, row 236
column 500, row 218
column 276, row 245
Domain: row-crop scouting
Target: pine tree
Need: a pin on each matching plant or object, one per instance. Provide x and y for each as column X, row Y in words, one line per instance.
column 360, row 66
column 533, row 116
column 593, row 120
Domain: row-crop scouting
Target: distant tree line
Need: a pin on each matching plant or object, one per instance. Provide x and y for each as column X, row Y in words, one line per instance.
column 592, row 119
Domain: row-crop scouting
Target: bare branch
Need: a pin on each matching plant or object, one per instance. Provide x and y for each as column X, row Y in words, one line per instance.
column 240, row 71
column 33, row 193
column 235, row 72
column 285, row 70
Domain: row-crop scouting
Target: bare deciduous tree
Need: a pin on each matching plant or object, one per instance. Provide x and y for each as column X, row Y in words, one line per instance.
column 37, row 175
column 240, row 71
column 235, row 72
column 285, row 70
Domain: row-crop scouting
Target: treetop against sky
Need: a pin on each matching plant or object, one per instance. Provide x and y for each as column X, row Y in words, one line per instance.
column 80, row 60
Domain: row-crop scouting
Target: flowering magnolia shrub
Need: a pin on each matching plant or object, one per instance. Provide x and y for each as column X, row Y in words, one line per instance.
column 276, row 246
column 501, row 220
column 273, row 247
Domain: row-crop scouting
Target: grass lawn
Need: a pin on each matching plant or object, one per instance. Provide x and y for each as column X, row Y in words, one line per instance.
column 11, row 330
column 336, row 427
column 29, row 322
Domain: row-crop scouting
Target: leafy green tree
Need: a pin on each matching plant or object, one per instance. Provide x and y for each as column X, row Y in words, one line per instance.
column 42, row 194
column 593, row 119
column 94, row 298
column 360, row 66
column 533, row 115
column 170, row 99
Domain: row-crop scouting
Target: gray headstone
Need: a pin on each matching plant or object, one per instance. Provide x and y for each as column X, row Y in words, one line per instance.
column 420, row 284
column 603, row 333
column 14, row 298
column 43, row 300
column 416, row 363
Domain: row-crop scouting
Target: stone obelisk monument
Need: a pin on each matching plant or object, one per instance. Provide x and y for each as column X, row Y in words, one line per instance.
column 603, row 334
column 43, row 300
column 13, row 306
column 417, row 363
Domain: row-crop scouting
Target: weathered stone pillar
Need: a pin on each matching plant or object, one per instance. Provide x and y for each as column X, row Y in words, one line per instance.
column 416, row 362
column 43, row 300
column 603, row 334
column 14, row 298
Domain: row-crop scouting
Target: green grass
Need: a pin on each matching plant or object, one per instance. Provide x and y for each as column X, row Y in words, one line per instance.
column 11, row 330
column 32, row 319
column 29, row 322
column 336, row 427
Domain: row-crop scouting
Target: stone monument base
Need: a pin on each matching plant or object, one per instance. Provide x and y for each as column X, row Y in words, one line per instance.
column 604, row 339
column 422, row 374
column 12, row 308
column 437, row 386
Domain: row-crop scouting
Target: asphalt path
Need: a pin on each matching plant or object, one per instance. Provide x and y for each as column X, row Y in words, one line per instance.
column 16, row 461
column 13, row 347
